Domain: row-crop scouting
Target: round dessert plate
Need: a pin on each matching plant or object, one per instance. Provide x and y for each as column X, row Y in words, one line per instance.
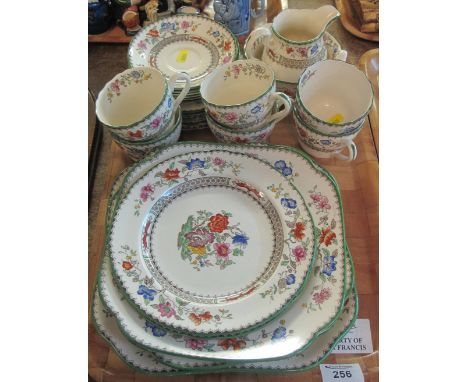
column 202, row 243
column 308, row 317
column 183, row 43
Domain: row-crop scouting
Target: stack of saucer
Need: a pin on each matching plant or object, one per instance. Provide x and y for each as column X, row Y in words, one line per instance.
column 333, row 99
column 186, row 43
column 225, row 258
column 138, row 109
column 241, row 102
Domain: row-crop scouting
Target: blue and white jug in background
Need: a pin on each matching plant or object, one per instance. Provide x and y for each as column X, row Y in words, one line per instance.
column 235, row 14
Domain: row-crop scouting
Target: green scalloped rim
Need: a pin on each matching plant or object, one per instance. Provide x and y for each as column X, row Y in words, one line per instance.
column 213, row 334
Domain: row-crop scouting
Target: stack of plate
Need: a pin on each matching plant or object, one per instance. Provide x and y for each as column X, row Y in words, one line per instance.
column 225, row 258
column 185, row 43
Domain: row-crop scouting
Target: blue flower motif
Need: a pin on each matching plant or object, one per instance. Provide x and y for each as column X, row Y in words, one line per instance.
column 256, row 109
column 240, row 239
column 279, row 332
column 166, row 26
column 288, row 203
column 329, row 265
column 290, row 279
column 195, row 163
column 169, row 102
column 135, row 74
column 280, row 164
column 157, row 331
column 325, row 142
column 314, row 49
column 286, row 171
column 148, row 294
column 216, row 33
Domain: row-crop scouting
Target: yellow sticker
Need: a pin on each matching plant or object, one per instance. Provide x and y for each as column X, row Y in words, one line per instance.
column 182, row 56
column 337, row 118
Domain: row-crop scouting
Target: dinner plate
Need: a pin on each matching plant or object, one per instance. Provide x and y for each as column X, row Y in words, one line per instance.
column 203, row 243
column 147, row 362
column 183, row 43
column 323, row 298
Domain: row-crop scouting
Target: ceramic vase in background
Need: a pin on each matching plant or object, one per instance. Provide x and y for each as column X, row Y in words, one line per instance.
column 99, row 16
column 235, row 14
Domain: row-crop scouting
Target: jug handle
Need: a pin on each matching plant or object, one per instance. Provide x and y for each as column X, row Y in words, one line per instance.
column 258, row 11
column 263, row 31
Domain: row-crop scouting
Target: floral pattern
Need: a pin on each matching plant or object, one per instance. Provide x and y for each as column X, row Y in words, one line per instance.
column 180, row 171
column 208, row 239
column 136, row 76
column 164, row 305
column 247, row 69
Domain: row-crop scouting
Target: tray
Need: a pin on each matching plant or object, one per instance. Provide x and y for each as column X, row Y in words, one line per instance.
column 369, row 64
column 351, row 22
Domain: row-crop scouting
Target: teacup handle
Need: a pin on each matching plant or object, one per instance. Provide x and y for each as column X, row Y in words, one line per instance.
column 259, row 11
column 283, row 100
column 185, row 90
column 263, row 31
column 352, row 151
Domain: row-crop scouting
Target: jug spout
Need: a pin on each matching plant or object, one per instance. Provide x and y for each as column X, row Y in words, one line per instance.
column 321, row 17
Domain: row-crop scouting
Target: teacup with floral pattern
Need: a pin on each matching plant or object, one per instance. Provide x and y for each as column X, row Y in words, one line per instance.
column 322, row 145
column 333, row 97
column 138, row 104
column 241, row 94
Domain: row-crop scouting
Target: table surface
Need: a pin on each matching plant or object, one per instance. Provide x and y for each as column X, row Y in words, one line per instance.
column 358, row 182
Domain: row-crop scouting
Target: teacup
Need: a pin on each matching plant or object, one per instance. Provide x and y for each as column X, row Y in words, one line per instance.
column 241, row 94
column 226, row 135
column 333, row 97
column 137, row 150
column 322, row 145
column 138, row 103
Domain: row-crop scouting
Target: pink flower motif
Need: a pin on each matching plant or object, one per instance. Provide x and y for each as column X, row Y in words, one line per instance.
column 218, row 161
column 146, row 191
column 226, row 59
column 222, row 250
column 230, row 116
column 322, row 296
column 323, row 204
column 299, row 253
column 115, row 86
column 302, row 51
column 166, row 310
column 200, row 237
column 155, row 123
column 195, row 344
column 141, row 45
column 185, row 24
column 316, row 197
column 236, row 69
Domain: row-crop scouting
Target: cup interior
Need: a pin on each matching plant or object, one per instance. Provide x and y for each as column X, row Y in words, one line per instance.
column 130, row 96
column 237, row 83
column 296, row 25
column 335, row 91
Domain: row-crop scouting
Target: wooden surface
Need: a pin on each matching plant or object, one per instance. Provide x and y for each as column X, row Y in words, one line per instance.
column 358, row 182
column 369, row 64
column 351, row 22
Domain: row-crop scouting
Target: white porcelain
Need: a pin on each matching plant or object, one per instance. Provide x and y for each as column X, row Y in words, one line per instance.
column 222, row 134
column 152, row 363
column 333, row 97
column 319, row 145
column 319, row 304
column 200, row 243
column 254, row 46
column 241, row 95
column 137, row 104
column 294, row 40
column 183, row 43
column 138, row 150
